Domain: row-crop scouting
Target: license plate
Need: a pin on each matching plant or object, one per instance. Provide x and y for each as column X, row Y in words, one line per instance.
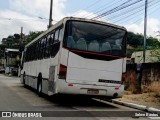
column 92, row 91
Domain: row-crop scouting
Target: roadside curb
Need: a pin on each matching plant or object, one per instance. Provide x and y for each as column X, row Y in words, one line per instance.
column 137, row 106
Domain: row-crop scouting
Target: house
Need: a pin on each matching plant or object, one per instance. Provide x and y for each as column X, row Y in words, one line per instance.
column 151, row 56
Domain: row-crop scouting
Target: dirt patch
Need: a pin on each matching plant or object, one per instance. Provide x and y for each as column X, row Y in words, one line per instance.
column 148, row 99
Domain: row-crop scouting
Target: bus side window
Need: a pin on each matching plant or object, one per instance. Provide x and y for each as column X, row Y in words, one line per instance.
column 26, row 59
column 48, row 44
column 42, row 43
column 29, row 53
column 41, row 49
column 56, row 36
column 52, row 37
column 36, row 53
column 56, row 44
column 44, row 47
column 52, row 43
column 33, row 51
column 60, row 35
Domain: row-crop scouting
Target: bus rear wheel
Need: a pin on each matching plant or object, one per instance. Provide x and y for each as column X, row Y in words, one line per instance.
column 39, row 86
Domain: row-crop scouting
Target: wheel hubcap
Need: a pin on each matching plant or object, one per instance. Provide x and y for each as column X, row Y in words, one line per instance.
column 39, row 87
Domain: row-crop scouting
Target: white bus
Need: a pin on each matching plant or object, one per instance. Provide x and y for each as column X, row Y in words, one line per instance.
column 77, row 56
column 12, row 60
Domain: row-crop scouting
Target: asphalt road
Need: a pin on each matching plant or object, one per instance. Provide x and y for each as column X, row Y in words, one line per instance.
column 15, row 97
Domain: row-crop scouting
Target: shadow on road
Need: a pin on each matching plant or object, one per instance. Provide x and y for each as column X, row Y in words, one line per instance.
column 74, row 100
column 78, row 100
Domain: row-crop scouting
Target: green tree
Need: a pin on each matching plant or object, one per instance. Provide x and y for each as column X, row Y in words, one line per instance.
column 31, row 36
column 14, row 41
column 2, row 48
column 155, row 53
column 153, row 42
column 134, row 40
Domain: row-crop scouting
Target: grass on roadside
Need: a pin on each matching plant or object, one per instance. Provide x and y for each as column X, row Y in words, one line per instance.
column 155, row 87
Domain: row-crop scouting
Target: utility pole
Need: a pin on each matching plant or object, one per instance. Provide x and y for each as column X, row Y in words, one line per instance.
column 21, row 35
column 145, row 30
column 50, row 15
column 21, row 41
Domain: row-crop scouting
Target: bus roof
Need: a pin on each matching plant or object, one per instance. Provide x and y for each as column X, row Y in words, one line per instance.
column 77, row 19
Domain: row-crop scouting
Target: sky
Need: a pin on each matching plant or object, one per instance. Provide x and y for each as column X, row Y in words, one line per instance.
column 33, row 15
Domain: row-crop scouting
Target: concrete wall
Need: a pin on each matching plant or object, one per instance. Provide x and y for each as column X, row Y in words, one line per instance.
column 131, row 77
column 150, row 74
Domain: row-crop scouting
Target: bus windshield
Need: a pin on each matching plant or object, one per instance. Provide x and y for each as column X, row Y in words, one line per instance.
column 93, row 37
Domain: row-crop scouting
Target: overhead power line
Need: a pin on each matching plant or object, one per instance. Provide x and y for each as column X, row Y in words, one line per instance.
column 124, row 12
column 118, row 8
column 136, row 13
column 101, row 8
column 149, row 14
column 89, row 6
column 132, row 13
column 93, row 4
column 22, row 19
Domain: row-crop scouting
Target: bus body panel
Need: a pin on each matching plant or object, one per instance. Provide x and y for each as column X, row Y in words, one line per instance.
column 124, row 65
column 89, row 71
column 82, row 89
column 64, row 56
column 34, row 68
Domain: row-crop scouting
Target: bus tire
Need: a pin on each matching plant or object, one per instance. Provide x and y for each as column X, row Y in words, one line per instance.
column 39, row 85
column 24, row 79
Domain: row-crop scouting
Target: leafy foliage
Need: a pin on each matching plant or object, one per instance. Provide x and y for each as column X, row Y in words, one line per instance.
column 31, row 36
column 156, row 54
column 14, row 41
column 136, row 40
